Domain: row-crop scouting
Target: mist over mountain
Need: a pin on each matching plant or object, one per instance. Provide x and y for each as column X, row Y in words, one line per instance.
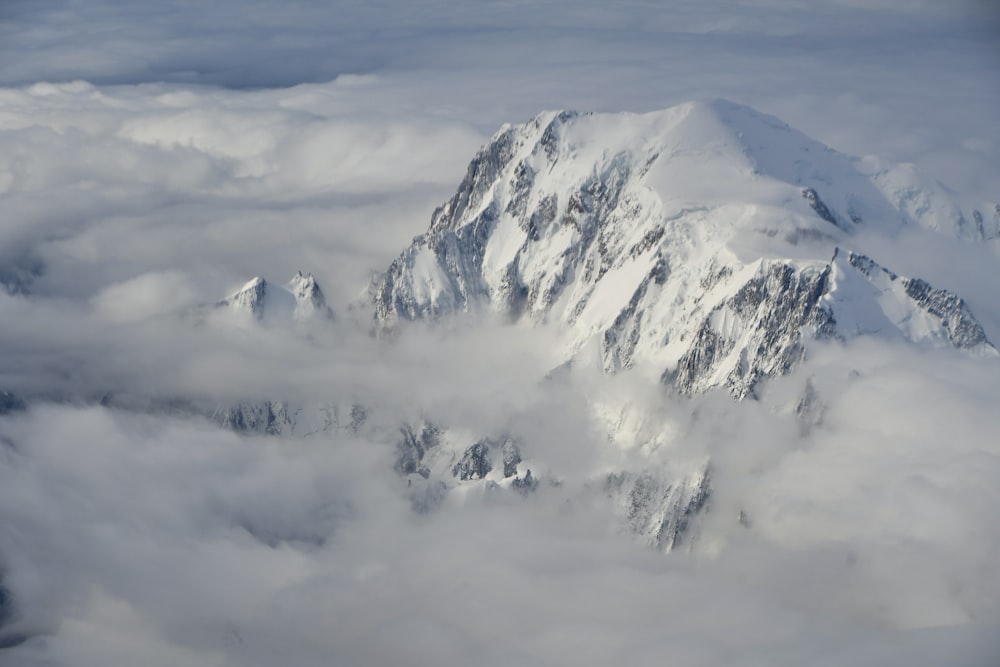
column 655, row 333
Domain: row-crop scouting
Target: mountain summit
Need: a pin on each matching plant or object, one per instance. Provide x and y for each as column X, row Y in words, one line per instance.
column 708, row 240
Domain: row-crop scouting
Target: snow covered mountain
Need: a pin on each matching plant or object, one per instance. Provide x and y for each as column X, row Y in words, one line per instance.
column 298, row 300
column 706, row 243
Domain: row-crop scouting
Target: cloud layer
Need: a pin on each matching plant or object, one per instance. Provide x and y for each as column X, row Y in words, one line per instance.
column 157, row 538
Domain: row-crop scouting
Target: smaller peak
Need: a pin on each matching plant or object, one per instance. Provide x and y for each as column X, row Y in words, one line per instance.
column 302, row 279
column 253, row 283
column 298, row 299
column 308, row 296
column 250, row 298
column 303, row 285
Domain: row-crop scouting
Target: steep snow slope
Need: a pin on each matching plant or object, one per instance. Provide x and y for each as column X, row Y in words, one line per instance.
column 696, row 243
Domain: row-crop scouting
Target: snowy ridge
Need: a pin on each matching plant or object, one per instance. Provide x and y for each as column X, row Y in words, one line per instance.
column 910, row 307
column 923, row 200
column 693, row 242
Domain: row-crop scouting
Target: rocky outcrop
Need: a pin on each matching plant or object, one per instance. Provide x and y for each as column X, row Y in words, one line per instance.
column 263, row 417
column 482, row 456
column 413, row 446
column 758, row 331
column 962, row 328
column 659, row 509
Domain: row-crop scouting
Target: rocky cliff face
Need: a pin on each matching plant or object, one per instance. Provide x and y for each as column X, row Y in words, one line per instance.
column 659, row 509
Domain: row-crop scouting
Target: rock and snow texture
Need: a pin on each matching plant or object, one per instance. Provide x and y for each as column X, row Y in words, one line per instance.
column 658, row 508
column 299, row 300
column 886, row 302
column 705, row 243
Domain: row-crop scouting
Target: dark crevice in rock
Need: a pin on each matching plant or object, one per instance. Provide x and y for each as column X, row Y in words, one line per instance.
column 475, row 462
column 817, row 205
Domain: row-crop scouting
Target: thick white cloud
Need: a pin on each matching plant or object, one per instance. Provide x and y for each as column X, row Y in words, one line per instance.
column 157, row 539
column 154, row 157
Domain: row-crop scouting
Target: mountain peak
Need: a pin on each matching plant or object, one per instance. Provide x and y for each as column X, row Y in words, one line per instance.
column 309, row 298
column 299, row 300
column 251, row 298
column 697, row 239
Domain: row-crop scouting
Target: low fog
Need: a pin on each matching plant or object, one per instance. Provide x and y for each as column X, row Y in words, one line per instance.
column 153, row 159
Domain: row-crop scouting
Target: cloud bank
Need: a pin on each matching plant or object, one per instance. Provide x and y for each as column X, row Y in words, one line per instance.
column 158, row 538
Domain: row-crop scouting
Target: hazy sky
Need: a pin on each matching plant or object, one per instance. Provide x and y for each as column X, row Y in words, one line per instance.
column 155, row 156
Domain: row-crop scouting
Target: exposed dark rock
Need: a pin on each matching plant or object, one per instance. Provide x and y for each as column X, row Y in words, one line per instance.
column 543, row 216
column 511, row 457
column 475, row 462
column 658, row 509
column 868, row 266
column 775, row 307
column 479, row 459
column 689, row 509
column 526, row 484
column 621, row 338
column 359, row 415
column 550, row 138
column 964, row 331
column 413, row 446
column 480, row 175
column 520, row 191
column 264, row 417
column 812, row 197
